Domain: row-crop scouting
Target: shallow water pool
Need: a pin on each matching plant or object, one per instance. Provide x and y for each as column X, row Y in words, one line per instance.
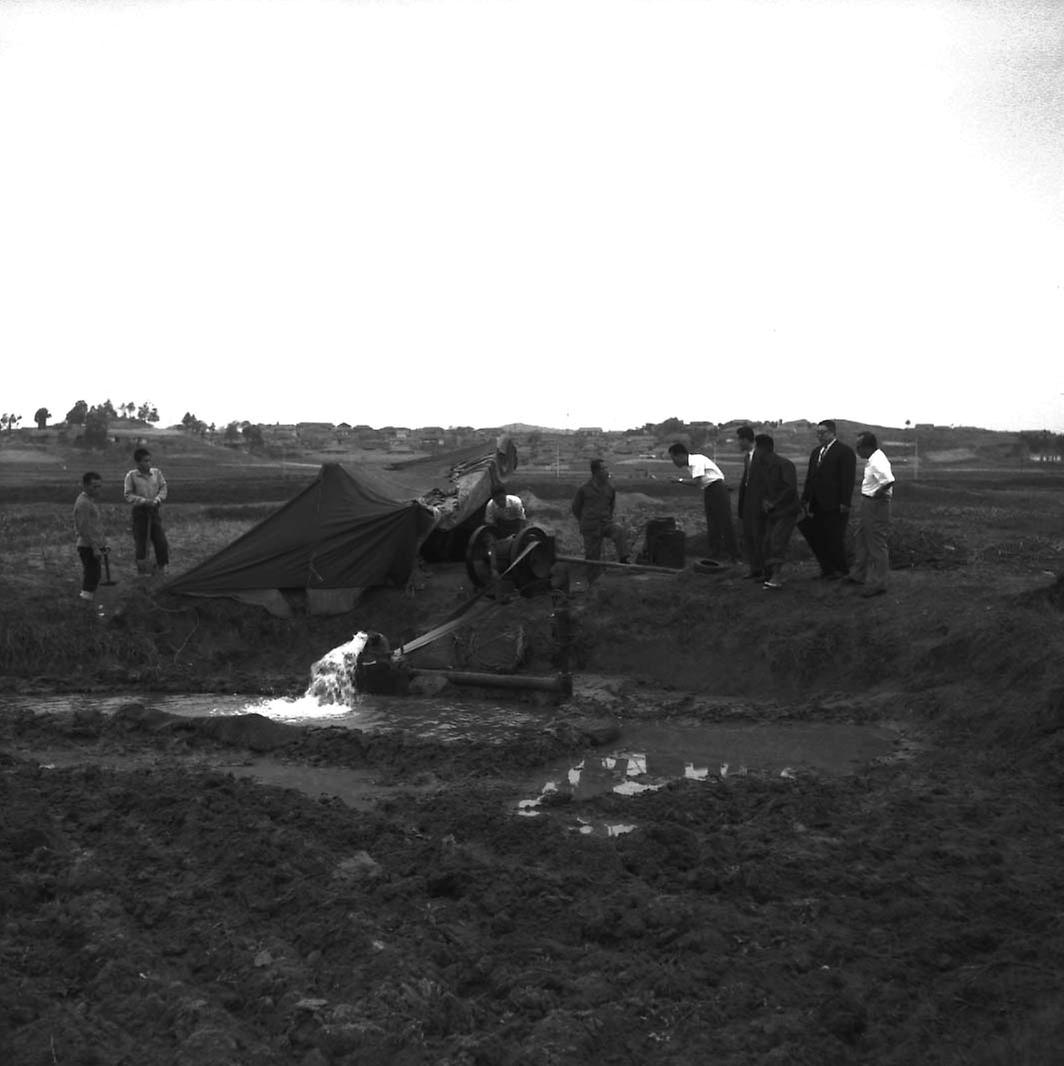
column 646, row 756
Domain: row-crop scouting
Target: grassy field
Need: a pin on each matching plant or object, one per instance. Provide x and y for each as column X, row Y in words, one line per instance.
column 1009, row 522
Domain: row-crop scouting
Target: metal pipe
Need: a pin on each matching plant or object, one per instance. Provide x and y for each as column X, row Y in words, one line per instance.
column 612, row 565
column 558, row 683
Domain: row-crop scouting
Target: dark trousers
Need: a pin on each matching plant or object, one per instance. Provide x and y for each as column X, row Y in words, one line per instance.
column 872, row 562
column 826, row 533
column 593, row 537
column 719, row 526
column 148, row 525
column 90, row 569
column 775, row 536
column 755, row 556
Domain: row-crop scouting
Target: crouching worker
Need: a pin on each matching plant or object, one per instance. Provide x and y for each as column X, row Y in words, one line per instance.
column 594, row 506
column 504, row 513
column 91, row 541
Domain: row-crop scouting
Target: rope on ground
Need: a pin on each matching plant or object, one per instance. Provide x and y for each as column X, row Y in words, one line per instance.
column 155, row 606
column 181, row 647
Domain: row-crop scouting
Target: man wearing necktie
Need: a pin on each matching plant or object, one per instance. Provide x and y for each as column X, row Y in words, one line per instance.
column 826, row 499
column 749, row 504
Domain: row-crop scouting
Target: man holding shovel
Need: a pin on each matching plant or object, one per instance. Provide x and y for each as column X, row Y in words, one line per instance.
column 145, row 489
column 91, row 542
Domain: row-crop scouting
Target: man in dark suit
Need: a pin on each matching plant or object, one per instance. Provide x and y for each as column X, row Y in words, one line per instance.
column 826, row 498
column 749, row 505
column 779, row 506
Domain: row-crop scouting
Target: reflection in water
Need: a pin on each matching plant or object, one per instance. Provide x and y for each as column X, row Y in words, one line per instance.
column 586, row 828
column 594, row 776
column 633, row 788
column 674, row 751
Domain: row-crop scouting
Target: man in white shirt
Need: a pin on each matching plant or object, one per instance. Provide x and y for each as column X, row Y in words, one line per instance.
column 504, row 513
column 705, row 473
column 872, row 565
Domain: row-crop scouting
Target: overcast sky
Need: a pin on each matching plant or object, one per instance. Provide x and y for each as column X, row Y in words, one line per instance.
column 566, row 213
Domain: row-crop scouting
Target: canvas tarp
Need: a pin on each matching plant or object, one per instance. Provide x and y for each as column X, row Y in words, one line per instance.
column 343, row 533
column 457, row 485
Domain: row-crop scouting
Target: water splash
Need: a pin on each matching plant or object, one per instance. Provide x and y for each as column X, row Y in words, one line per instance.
column 332, row 677
column 331, row 692
column 295, row 709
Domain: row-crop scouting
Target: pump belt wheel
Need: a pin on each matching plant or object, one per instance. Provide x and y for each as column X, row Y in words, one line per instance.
column 480, row 556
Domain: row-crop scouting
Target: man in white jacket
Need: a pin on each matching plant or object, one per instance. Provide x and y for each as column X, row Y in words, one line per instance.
column 145, row 489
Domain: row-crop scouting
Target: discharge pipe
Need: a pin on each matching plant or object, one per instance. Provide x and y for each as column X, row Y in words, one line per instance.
column 562, row 683
column 610, row 564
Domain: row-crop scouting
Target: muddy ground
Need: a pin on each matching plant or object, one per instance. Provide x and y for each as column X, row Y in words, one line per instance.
column 158, row 909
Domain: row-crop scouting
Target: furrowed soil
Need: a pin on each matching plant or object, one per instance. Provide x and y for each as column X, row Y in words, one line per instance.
column 159, row 907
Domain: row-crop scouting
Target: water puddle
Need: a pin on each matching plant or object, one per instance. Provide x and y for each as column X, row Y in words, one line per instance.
column 647, row 755
column 650, row 755
column 449, row 721
column 359, row 789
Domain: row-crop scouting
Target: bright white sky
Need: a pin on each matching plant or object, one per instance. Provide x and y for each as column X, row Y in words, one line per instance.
column 561, row 212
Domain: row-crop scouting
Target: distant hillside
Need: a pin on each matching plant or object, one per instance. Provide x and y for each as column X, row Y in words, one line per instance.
column 31, row 455
column 55, row 455
column 524, row 427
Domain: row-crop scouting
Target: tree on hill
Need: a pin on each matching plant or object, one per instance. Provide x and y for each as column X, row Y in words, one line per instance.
column 41, row 416
column 670, row 427
column 231, row 436
column 10, row 421
column 128, row 410
column 253, row 435
column 147, row 412
column 107, row 409
column 1043, row 443
column 703, row 437
column 97, row 427
column 192, row 424
column 76, row 415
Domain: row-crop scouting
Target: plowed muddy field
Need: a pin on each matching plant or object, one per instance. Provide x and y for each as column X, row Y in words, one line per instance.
column 568, row 882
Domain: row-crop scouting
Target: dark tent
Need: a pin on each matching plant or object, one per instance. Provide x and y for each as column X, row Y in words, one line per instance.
column 343, row 533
